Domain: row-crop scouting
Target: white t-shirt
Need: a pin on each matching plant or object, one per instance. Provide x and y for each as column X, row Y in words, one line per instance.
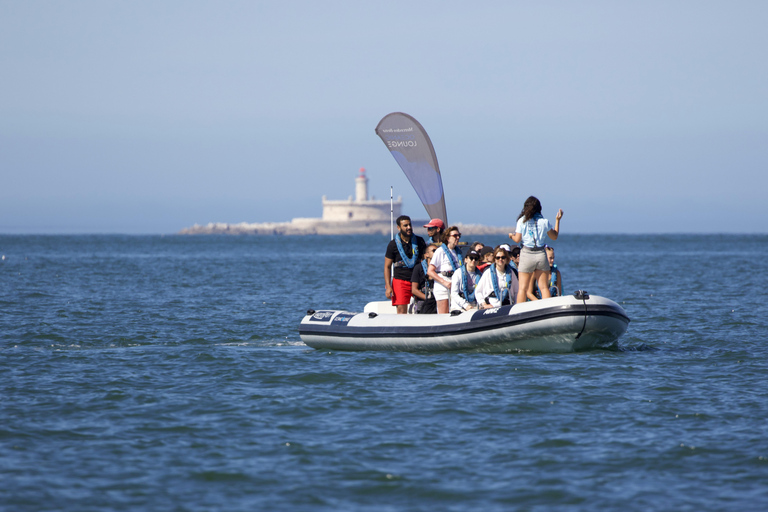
column 485, row 287
column 440, row 259
column 457, row 285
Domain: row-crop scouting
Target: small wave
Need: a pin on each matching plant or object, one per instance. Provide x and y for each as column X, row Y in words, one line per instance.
column 37, row 295
column 642, row 347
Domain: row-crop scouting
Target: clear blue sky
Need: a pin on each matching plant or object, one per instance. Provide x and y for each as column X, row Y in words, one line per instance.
column 147, row 117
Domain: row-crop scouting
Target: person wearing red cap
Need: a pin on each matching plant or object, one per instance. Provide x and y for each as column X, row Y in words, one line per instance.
column 435, row 228
column 486, row 258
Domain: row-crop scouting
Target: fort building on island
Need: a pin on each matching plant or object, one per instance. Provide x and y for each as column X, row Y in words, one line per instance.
column 352, row 216
column 360, row 208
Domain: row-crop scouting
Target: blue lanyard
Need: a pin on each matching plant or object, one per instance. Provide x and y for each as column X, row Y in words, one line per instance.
column 464, row 281
column 426, row 276
column 409, row 262
column 533, row 231
column 454, row 264
column 553, row 277
column 495, row 282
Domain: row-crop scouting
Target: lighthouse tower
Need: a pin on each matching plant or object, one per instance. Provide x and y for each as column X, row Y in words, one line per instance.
column 361, row 187
column 360, row 208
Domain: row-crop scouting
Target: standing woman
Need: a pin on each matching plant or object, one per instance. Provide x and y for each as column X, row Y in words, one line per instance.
column 531, row 229
column 445, row 262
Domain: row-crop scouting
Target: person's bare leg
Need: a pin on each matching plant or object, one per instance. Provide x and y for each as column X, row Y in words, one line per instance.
column 530, row 293
column 544, row 284
column 402, row 309
column 522, row 291
column 442, row 307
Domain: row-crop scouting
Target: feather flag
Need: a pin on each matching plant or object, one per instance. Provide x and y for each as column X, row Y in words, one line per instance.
column 409, row 144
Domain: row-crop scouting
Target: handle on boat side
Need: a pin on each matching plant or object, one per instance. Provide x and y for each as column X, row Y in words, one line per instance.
column 582, row 295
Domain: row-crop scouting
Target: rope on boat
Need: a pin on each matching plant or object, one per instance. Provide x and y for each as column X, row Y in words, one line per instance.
column 583, row 296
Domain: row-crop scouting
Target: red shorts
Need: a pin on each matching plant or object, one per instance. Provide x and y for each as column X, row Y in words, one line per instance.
column 401, row 292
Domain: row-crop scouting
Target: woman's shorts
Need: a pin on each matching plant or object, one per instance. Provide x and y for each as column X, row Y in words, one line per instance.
column 401, row 292
column 441, row 292
column 533, row 259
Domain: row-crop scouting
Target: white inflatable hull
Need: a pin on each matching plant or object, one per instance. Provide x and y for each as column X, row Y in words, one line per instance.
column 561, row 324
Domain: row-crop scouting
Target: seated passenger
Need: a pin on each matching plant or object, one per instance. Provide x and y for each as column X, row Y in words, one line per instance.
column 556, row 279
column 486, row 258
column 498, row 286
column 446, row 261
column 463, row 284
column 514, row 256
column 422, row 285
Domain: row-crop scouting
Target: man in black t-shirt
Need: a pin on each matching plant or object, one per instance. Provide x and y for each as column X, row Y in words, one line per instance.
column 403, row 253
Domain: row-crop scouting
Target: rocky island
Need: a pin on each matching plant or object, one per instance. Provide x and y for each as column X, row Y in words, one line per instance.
column 350, row 216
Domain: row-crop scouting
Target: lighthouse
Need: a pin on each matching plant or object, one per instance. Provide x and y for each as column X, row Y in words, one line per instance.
column 360, row 208
column 361, row 187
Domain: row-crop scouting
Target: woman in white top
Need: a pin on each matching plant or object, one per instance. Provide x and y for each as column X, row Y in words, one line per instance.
column 446, row 261
column 499, row 285
column 463, row 284
column 531, row 229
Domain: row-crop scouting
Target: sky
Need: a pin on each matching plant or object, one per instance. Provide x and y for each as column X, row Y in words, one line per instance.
column 148, row 117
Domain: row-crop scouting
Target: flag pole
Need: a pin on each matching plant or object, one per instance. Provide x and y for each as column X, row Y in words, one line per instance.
column 391, row 215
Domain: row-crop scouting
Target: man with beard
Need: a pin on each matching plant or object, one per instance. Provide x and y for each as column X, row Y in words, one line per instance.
column 403, row 253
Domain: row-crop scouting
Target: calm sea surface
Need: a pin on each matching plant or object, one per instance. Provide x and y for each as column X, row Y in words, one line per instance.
column 166, row 373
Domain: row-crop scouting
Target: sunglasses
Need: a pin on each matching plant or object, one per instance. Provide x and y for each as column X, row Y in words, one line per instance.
column 456, row 235
column 501, row 258
column 473, row 258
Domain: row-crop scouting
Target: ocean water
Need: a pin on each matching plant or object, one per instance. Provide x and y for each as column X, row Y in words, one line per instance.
column 166, row 373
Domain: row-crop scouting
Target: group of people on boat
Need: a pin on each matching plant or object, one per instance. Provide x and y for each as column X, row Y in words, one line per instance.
column 442, row 280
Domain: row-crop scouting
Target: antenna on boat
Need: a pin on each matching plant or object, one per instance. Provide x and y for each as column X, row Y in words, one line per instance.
column 391, row 215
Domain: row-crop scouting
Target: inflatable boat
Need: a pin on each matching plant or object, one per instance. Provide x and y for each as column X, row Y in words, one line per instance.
column 560, row 324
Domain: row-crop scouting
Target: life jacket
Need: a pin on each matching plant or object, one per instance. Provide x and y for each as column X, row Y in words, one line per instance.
column 502, row 296
column 455, row 262
column 470, row 297
column 427, row 285
column 409, row 262
column 553, row 289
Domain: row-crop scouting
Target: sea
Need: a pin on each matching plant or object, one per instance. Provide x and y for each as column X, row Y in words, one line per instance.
column 167, row 373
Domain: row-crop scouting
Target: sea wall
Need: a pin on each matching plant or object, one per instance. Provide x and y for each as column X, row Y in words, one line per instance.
column 309, row 226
